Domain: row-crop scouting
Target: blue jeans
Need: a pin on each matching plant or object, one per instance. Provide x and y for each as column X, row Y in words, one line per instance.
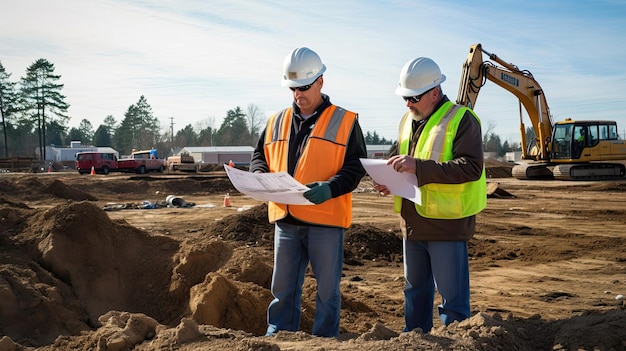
column 430, row 265
column 294, row 247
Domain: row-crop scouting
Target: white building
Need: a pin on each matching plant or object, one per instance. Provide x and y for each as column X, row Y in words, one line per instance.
column 241, row 155
column 378, row 151
column 513, row 156
column 58, row 154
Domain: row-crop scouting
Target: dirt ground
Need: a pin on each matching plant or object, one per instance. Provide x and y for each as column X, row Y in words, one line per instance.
column 97, row 262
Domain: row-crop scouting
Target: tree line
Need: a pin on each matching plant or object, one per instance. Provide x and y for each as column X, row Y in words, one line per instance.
column 493, row 143
column 34, row 115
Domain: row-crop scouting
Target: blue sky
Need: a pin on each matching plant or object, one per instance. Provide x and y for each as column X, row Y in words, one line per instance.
column 194, row 60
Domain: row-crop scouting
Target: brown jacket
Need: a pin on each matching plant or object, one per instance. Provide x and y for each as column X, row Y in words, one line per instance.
column 466, row 166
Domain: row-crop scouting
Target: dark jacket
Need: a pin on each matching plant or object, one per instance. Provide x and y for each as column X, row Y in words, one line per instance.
column 345, row 181
column 466, row 166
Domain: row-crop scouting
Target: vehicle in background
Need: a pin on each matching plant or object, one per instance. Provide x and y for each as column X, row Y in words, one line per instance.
column 183, row 162
column 139, row 162
column 100, row 162
column 567, row 150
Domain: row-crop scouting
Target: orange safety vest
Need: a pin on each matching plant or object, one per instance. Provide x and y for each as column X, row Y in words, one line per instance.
column 322, row 158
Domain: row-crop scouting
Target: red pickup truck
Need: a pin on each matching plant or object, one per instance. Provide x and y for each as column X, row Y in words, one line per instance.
column 139, row 162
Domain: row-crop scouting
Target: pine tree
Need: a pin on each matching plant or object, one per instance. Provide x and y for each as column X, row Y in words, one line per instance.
column 234, row 129
column 102, row 136
column 139, row 130
column 84, row 133
column 86, row 130
column 55, row 133
column 186, row 137
column 206, row 136
column 42, row 99
column 8, row 104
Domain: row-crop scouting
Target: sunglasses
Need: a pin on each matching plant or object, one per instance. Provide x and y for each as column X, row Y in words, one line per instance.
column 415, row 99
column 304, row 87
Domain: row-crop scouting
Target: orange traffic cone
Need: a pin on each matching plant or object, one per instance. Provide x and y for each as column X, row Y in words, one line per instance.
column 227, row 200
column 93, row 170
column 231, row 164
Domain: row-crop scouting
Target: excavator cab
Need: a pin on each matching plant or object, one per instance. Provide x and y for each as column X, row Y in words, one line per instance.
column 587, row 150
column 583, row 141
column 569, row 141
column 562, row 142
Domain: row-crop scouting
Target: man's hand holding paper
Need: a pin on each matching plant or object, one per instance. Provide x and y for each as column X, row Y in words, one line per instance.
column 394, row 176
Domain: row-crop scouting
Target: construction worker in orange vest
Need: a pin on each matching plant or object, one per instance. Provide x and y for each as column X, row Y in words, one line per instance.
column 320, row 145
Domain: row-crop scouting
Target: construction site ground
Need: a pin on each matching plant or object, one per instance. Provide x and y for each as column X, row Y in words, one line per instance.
column 101, row 262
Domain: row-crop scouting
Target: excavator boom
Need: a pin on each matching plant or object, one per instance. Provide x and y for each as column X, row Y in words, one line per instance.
column 520, row 83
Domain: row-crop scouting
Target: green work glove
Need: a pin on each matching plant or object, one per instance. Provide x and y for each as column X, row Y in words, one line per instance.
column 320, row 192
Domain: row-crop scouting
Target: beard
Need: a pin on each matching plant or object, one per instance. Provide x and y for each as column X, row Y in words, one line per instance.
column 415, row 114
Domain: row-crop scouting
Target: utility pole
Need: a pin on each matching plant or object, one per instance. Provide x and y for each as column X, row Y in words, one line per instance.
column 172, row 134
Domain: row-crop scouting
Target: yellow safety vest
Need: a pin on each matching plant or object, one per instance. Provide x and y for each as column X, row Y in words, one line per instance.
column 322, row 157
column 442, row 201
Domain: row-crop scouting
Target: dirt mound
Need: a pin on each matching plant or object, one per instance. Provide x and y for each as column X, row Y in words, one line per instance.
column 367, row 242
column 23, row 187
column 88, row 265
column 32, row 188
column 73, row 278
column 93, row 264
column 125, row 331
column 362, row 241
column 64, row 191
column 498, row 169
column 184, row 184
column 250, row 227
column 12, row 215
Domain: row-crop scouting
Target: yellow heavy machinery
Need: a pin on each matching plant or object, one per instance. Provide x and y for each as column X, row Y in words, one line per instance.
column 569, row 149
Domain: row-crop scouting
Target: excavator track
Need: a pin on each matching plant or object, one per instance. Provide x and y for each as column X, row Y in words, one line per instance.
column 532, row 171
column 589, row 171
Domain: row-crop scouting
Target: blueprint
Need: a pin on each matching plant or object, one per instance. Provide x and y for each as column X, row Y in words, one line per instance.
column 277, row 187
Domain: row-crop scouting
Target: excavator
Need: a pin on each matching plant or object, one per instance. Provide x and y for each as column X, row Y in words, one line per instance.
column 564, row 150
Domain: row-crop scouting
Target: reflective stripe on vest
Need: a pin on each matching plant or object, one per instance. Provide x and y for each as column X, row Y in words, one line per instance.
column 278, row 132
column 443, row 201
column 322, row 157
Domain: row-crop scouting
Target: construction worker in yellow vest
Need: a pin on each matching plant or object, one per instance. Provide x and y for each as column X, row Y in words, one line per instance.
column 441, row 143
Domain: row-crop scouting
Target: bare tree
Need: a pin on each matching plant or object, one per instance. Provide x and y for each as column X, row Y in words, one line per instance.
column 256, row 121
column 488, row 132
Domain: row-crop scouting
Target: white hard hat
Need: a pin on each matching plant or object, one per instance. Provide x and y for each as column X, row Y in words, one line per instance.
column 302, row 67
column 418, row 76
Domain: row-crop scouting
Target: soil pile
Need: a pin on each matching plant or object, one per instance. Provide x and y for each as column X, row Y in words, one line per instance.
column 498, row 169
column 73, row 278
